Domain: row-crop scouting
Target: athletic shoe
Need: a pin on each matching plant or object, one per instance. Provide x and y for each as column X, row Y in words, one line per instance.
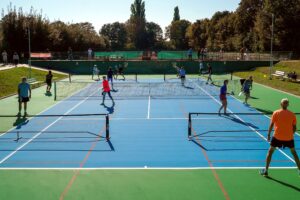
column 102, row 104
column 263, row 172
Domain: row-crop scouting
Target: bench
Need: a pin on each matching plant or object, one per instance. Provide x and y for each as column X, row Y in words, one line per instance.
column 279, row 74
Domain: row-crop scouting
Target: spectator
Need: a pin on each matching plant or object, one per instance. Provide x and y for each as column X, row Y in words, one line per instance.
column 70, row 53
column 4, row 57
column 190, row 54
column 16, row 58
column 292, row 75
column 199, row 53
column 242, row 51
column 90, row 53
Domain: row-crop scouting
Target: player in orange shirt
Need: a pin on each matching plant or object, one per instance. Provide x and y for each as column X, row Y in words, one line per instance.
column 285, row 128
column 106, row 90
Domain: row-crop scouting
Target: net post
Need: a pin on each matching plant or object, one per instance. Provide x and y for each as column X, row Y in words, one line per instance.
column 107, row 127
column 231, row 75
column 54, row 90
column 164, row 77
column 136, row 77
column 190, row 125
column 70, row 78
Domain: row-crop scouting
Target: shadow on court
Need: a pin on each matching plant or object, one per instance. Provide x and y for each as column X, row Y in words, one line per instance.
column 284, row 183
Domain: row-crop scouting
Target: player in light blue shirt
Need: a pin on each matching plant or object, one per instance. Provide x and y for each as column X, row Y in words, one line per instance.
column 24, row 95
column 182, row 75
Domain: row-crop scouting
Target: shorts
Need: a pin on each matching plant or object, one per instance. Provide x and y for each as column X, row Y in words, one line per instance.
column 223, row 97
column 247, row 91
column 282, row 144
column 49, row 83
column 182, row 77
column 23, row 99
column 110, row 79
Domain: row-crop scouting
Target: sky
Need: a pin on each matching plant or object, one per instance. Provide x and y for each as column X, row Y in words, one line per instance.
column 100, row 12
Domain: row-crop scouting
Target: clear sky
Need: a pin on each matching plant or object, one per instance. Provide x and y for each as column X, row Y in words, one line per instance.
column 100, row 12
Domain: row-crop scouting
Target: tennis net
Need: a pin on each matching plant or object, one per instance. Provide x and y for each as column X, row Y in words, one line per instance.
column 57, row 127
column 232, row 126
column 124, row 90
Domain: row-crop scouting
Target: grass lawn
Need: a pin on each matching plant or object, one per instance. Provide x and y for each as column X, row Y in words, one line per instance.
column 9, row 79
column 261, row 75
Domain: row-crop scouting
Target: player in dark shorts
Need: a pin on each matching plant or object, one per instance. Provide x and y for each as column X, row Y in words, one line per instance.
column 182, row 75
column 247, row 86
column 223, row 97
column 106, row 90
column 49, row 77
column 120, row 71
column 209, row 70
column 110, row 75
column 24, row 95
column 285, row 127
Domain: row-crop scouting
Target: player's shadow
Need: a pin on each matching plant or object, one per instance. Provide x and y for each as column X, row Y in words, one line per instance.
column 20, row 121
column 187, row 87
column 236, row 120
column 284, row 183
column 48, row 94
column 110, row 109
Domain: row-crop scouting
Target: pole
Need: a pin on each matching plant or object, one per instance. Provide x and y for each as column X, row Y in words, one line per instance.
column 29, row 49
column 271, row 53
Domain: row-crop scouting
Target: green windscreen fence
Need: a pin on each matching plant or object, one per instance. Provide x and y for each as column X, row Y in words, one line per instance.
column 119, row 55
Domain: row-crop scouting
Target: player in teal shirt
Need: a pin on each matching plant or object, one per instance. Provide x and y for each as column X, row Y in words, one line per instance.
column 24, row 95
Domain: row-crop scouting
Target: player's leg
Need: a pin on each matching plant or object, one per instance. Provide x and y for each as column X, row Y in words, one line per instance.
column 268, row 161
column 103, row 98
column 20, row 105
column 25, row 108
column 110, row 97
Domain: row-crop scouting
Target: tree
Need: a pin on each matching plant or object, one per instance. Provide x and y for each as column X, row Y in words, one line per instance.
column 178, row 34
column 154, row 35
column 116, row 34
column 176, row 14
column 136, row 25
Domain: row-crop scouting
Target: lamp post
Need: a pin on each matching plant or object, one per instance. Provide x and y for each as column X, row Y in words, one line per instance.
column 271, row 51
column 29, row 51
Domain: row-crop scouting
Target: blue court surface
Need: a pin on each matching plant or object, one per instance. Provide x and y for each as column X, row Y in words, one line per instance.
column 146, row 132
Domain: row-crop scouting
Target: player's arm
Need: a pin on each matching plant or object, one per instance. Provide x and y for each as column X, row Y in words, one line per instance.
column 270, row 130
column 294, row 128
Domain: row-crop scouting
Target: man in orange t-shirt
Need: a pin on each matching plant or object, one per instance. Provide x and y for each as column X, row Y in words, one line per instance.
column 285, row 127
column 106, row 90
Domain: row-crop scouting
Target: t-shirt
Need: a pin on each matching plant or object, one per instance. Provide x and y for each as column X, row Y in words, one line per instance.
column 106, row 87
column 182, row 72
column 4, row 55
column 209, row 70
column 49, row 78
column 284, row 120
column 90, row 51
column 223, row 90
column 16, row 57
column 201, row 66
column 247, row 84
column 110, row 74
column 24, row 89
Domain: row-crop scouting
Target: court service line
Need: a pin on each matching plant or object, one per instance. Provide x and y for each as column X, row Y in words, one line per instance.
column 139, row 168
column 149, row 107
column 38, row 134
column 259, row 134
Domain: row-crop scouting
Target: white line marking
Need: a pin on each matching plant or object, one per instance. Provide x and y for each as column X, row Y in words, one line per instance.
column 261, row 136
column 119, row 119
column 148, row 168
column 149, row 107
column 38, row 134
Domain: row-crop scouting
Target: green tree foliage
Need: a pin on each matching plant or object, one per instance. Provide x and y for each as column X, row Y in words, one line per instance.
column 178, row 36
column 154, row 36
column 176, row 14
column 136, row 25
column 116, row 34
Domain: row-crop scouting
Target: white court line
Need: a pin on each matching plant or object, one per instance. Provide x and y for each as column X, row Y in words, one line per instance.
column 143, row 168
column 149, row 107
column 120, row 119
column 244, row 122
column 38, row 134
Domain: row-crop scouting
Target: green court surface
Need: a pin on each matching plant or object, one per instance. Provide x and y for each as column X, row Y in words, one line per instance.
column 190, row 184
